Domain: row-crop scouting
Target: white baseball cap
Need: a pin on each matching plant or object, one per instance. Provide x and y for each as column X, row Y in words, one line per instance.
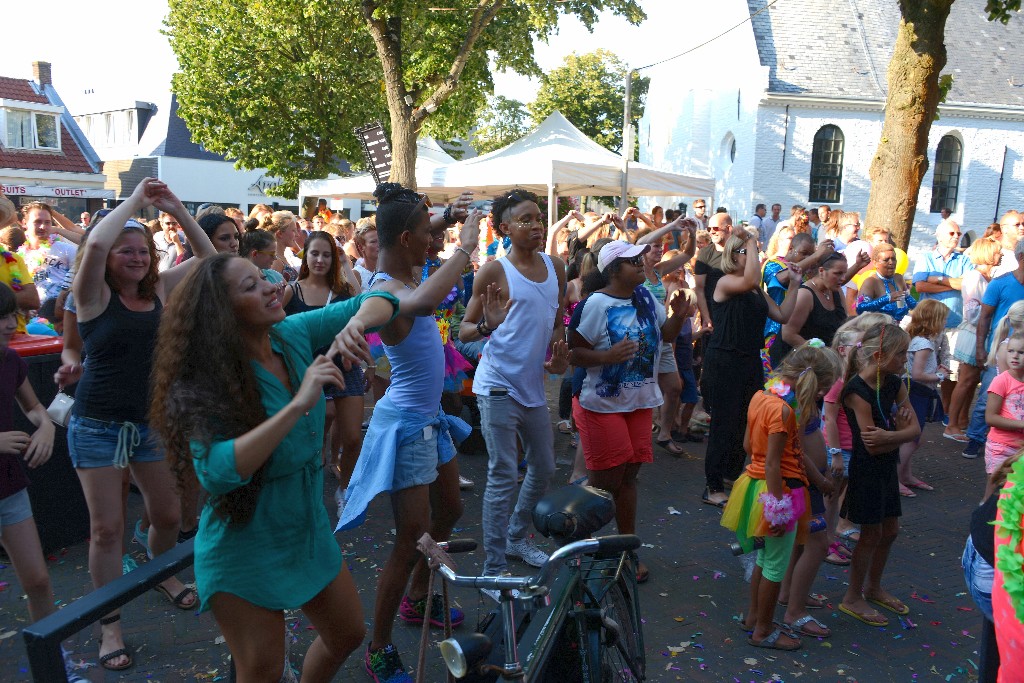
column 618, row 249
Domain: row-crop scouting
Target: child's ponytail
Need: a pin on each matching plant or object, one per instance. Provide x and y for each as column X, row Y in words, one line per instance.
column 813, row 365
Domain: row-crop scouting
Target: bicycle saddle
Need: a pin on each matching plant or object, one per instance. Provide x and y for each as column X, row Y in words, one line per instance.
column 573, row 513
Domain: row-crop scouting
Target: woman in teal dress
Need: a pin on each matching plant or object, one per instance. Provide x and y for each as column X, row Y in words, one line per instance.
column 238, row 398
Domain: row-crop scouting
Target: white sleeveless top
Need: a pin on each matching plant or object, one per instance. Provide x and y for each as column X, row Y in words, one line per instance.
column 514, row 356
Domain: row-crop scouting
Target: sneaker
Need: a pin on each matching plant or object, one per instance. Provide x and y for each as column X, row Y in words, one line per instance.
column 71, row 669
column 412, row 611
column 526, row 551
column 142, row 538
column 973, row 449
column 128, row 564
column 341, row 500
column 185, row 535
column 465, row 484
column 385, row 666
column 945, row 420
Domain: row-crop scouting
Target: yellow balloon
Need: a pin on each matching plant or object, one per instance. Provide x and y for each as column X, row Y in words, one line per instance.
column 863, row 275
column 902, row 261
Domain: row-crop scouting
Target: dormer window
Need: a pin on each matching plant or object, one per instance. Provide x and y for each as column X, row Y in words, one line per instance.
column 31, row 126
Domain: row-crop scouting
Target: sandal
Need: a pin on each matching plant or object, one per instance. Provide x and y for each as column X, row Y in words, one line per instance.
column 871, row 619
column 893, row 604
column 847, row 539
column 671, row 447
column 179, row 599
column 123, row 652
column 907, row 493
column 771, row 642
column 564, row 426
column 959, row 437
column 813, row 601
column 835, row 556
column 706, row 499
column 800, row 627
column 918, row 484
column 642, row 573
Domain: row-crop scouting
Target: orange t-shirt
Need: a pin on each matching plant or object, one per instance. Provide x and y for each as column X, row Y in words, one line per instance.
column 767, row 415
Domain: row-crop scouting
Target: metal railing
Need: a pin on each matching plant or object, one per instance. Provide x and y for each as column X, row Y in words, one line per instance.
column 43, row 638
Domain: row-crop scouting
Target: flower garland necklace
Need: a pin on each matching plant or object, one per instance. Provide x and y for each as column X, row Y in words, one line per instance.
column 777, row 387
column 1009, row 559
column 10, row 260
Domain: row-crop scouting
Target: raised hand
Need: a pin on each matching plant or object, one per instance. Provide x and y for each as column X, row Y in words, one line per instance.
column 460, row 207
column 496, row 306
column 469, row 236
column 321, row 372
column 559, row 361
column 168, row 202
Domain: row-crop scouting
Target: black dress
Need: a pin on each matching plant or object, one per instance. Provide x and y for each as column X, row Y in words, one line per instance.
column 732, row 374
column 354, row 382
column 873, row 492
column 821, row 323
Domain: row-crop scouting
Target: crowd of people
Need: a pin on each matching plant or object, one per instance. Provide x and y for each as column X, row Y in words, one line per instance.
column 278, row 330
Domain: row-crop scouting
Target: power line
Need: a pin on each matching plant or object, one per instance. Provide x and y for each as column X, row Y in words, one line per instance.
column 710, row 40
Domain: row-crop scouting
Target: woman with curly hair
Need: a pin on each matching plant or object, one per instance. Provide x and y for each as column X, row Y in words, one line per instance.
column 326, row 277
column 119, row 296
column 238, row 401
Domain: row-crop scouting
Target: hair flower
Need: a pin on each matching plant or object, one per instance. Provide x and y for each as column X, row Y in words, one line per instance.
column 816, row 343
column 776, row 386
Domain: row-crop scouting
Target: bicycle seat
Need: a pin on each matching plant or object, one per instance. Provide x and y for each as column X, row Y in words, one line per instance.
column 573, row 513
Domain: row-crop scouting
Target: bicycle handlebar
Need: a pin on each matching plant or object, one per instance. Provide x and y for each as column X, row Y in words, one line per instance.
column 605, row 544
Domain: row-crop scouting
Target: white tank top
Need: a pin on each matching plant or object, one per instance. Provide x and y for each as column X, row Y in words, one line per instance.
column 513, row 358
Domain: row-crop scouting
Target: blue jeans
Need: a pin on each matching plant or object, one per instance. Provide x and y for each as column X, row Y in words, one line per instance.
column 502, row 420
column 978, row 428
column 978, row 575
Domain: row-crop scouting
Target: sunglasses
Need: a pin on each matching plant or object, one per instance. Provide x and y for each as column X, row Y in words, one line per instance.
column 637, row 260
column 740, row 251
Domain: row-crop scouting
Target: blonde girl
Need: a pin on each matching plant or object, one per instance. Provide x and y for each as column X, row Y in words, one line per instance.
column 770, row 499
column 876, row 406
column 927, row 367
column 1004, row 412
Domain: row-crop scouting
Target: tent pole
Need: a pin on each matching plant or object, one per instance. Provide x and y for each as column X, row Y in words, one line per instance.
column 552, row 205
column 627, row 146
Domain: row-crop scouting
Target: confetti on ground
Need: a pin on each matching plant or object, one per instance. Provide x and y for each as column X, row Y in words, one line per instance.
column 673, row 511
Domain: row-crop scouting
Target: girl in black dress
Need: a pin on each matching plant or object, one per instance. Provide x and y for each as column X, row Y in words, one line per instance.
column 880, row 417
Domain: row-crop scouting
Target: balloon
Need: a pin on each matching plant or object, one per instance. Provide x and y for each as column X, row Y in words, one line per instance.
column 902, row 261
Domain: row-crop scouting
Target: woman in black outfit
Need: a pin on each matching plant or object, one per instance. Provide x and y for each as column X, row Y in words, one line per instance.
column 819, row 309
column 733, row 371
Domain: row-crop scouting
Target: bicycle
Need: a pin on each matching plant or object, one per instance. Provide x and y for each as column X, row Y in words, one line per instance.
column 577, row 620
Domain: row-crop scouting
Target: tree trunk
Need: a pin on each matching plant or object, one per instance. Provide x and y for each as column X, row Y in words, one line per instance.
column 403, row 149
column 913, row 80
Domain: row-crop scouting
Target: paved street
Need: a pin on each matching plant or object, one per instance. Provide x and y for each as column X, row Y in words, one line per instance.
column 690, row 604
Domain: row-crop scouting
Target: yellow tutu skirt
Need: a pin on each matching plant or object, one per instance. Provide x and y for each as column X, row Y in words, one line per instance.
column 744, row 513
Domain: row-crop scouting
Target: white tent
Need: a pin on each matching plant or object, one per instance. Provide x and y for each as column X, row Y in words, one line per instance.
column 429, row 156
column 555, row 159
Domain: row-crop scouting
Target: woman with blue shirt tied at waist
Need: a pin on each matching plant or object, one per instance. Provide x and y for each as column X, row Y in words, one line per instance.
column 119, row 295
column 238, row 400
column 408, row 450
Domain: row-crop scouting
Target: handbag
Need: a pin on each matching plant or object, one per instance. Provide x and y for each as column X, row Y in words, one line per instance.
column 59, row 409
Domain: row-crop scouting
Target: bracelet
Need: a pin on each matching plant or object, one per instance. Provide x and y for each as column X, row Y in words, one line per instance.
column 481, row 326
column 448, row 217
column 468, row 255
column 777, row 511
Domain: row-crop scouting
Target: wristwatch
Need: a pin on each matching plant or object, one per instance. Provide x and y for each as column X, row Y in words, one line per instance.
column 835, row 451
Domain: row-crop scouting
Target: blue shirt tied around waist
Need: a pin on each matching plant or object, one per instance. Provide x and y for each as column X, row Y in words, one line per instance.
column 391, row 429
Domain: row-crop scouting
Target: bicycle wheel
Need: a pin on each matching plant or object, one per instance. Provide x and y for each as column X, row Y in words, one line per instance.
column 622, row 657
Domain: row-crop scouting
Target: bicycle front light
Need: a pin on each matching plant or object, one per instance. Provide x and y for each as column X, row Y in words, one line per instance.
column 464, row 653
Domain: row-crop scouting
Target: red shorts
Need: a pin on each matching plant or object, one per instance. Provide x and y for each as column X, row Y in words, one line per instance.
column 613, row 439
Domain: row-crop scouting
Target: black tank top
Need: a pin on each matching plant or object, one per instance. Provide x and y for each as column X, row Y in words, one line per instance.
column 821, row 323
column 119, row 346
column 739, row 324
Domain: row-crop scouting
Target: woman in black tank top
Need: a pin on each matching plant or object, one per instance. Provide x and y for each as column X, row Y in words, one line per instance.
column 820, row 309
column 326, row 276
column 119, row 295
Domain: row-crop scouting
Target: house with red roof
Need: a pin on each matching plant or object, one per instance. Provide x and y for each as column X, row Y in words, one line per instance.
column 43, row 154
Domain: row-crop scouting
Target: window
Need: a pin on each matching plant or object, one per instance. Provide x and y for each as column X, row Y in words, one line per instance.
column 827, row 165
column 31, row 130
column 946, row 179
column 728, row 149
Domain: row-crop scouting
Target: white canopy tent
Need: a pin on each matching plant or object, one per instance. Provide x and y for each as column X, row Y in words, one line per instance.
column 555, row 159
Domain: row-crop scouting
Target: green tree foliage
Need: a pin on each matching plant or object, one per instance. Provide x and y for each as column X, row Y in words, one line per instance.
column 1001, row 10
column 281, row 83
column 278, row 85
column 502, row 123
column 590, row 90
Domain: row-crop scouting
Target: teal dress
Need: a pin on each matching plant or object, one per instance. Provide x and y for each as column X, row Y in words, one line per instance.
column 287, row 553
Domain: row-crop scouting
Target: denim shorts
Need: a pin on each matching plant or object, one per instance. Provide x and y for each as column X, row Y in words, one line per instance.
column 847, row 454
column 978, row 574
column 15, row 508
column 689, row 392
column 95, row 443
column 416, row 461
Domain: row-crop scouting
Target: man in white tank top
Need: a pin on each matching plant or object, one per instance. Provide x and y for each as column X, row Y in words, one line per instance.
column 516, row 304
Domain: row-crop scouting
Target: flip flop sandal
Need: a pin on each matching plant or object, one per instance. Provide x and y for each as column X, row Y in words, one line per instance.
column 959, row 438
column 813, row 601
column 906, row 492
column 564, row 426
column 835, row 557
column 799, row 626
column 902, row 610
column 771, row 642
column 671, row 447
column 881, row 621
column 179, row 599
column 920, row 485
column 642, row 572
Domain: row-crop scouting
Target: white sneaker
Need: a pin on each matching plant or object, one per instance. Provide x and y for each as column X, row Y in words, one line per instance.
column 526, row 551
column 339, row 498
column 465, row 483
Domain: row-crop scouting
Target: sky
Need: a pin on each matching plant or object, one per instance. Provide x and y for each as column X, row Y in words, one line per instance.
column 91, row 74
